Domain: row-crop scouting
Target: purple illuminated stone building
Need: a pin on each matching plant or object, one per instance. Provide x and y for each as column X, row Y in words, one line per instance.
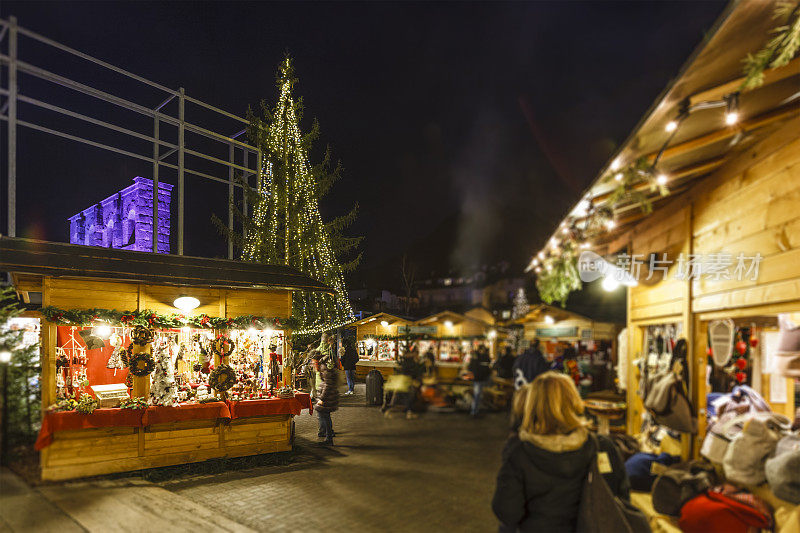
column 125, row 219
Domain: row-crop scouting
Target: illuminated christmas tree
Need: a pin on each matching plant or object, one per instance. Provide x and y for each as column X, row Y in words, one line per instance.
column 286, row 226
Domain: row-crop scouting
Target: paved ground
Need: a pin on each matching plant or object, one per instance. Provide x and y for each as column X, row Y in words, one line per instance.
column 435, row 473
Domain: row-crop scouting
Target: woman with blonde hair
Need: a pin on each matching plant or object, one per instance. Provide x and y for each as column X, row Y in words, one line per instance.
column 546, row 461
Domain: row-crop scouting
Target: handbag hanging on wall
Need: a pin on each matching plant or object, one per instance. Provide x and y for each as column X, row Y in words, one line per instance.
column 666, row 395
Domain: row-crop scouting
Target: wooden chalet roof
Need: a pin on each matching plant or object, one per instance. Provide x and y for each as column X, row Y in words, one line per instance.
column 703, row 141
column 27, row 256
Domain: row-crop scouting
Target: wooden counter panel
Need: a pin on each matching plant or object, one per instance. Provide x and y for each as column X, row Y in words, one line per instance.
column 92, row 452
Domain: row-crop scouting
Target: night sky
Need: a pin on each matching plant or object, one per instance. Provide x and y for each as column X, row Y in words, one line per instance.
column 466, row 131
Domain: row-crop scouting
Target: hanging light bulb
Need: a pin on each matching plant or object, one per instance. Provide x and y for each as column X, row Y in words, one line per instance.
column 541, row 256
column 618, row 176
column 615, row 164
column 610, row 284
column 671, row 126
column 586, row 245
column 732, row 114
column 537, row 270
column 662, row 179
column 610, row 224
column 535, row 261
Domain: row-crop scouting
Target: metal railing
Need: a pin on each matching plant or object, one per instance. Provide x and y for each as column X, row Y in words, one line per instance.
column 173, row 155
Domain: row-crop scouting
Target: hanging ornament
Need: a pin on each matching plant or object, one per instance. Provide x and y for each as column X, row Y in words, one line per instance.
column 741, row 347
column 709, row 351
column 741, row 363
column 222, row 378
column 740, row 377
column 223, row 346
column 753, row 341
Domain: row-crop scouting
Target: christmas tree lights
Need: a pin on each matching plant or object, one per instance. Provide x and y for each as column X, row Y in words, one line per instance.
column 286, row 226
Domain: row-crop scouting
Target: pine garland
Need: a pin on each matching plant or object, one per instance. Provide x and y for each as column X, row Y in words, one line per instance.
column 154, row 319
column 627, row 178
column 779, row 50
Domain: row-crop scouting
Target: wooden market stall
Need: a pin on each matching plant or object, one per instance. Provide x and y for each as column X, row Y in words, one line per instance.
column 80, row 289
column 712, row 232
column 377, row 342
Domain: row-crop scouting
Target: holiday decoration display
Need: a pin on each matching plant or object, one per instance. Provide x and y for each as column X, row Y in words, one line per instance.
column 286, row 226
column 141, row 364
column 133, row 403
column 521, row 306
column 223, row 346
column 153, row 319
column 222, row 378
column 163, row 390
column 116, row 361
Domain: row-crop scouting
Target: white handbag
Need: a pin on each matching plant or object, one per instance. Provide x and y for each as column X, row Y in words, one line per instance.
column 719, row 436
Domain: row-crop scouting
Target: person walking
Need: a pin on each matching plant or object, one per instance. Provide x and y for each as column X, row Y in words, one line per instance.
column 327, row 398
column 349, row 362
column 529, row 365
column 546, row 461
column 480, row 367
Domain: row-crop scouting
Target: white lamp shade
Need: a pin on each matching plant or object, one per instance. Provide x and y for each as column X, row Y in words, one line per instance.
column 186, row 303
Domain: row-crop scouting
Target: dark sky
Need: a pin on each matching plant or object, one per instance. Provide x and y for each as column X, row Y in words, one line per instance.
column 465, row 130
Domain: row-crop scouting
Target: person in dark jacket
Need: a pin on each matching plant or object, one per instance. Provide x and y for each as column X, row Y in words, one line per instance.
column 327, row 397
column 480, row 367
column 349, row 362
column 529, row 365
column 504, row 366
column 545, row 463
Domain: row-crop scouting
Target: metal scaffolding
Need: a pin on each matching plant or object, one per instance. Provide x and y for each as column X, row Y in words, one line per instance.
column 11, row 32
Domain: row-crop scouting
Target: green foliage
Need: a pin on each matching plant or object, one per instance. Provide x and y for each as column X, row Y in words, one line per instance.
column 779, row 50
column 153, row 319
column 559, row 278
column 629, row 177
column 23, row 394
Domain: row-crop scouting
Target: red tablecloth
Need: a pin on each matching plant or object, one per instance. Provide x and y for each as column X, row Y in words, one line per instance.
column 270, row 406
column 193, row 411
column 100, row 418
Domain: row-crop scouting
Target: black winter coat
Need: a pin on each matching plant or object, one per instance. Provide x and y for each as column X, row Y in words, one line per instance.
column 540, row 490
column 350, row 358
column 328, row 391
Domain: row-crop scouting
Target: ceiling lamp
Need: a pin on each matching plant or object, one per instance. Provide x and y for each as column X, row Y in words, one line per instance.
column 384, row 323
column 671, row 126
column 549, row 320
column 186, row 303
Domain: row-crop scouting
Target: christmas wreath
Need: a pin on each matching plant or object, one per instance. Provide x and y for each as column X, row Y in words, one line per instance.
column 141, row 364
column 222, row 378
column 223, row 346
column 142, row 335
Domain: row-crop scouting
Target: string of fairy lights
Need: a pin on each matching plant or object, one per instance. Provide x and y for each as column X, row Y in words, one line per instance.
column 587, row 220
column 306, row 241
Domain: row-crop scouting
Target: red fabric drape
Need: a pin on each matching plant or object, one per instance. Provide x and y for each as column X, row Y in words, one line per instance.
column 100, row 418
column 156, row 414
column 270, row 406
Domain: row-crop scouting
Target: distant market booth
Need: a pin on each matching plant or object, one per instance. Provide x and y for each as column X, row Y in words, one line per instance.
column 451, row 337
column 151, row 360
column 593, row 343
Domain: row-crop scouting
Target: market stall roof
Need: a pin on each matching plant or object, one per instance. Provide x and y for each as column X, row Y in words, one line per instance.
column 537, row 313
column 44, row 258
column 381, row 316
column 453, row 317
column 701, row 140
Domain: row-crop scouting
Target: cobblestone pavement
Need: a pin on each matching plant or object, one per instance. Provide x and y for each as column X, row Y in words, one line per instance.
column 434, row 473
